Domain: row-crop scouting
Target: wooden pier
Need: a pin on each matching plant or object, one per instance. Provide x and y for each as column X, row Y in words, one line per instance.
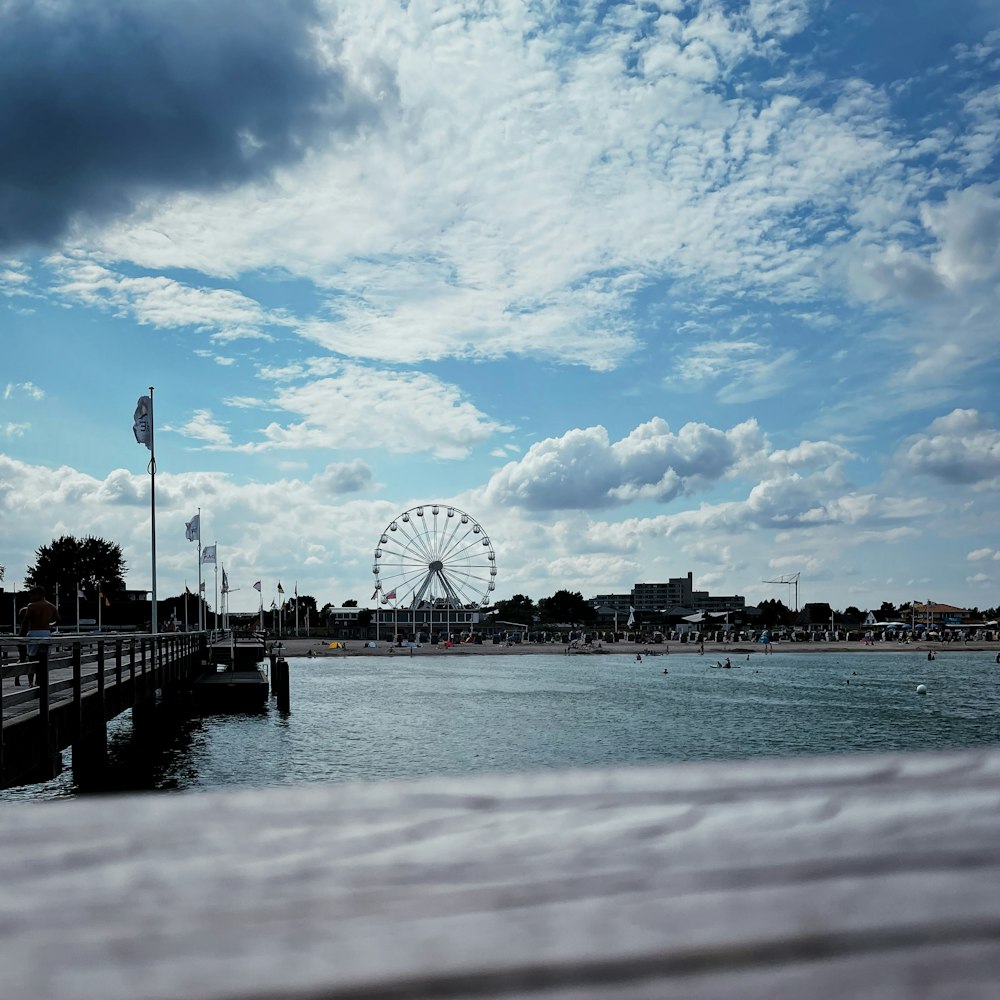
column 823, row 878
column 87, row 681
column 237, row 684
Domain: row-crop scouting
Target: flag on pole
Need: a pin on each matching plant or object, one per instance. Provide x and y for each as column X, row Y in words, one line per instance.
column 208, row 554
column 631, row 616
column 187, row 589
column 256, row 586
column 79, row 590
column 391, row 596
column 375, row 594
column 201, row 586
column 225, row 581
column 142, row 426
column 281, row 590
column 107, row 603
column 193, row 532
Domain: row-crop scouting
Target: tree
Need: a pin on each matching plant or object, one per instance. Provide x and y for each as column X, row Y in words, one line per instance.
column 350, row 604
column 305, row 602
column 888, row 612
column 519, row 609
column 773, row 612
column 566, row 606
column 69, row 562
column 364, row 617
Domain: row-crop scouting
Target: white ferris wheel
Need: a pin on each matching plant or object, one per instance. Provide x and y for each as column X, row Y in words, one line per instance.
column 435, row 555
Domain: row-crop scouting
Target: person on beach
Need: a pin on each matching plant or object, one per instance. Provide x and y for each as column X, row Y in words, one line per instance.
column 39, row 617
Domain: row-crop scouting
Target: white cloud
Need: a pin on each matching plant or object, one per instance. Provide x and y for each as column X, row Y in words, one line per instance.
column 977, row 554
column 961, row 447
column 344, row 477
column 779, row 17
column 496, row 213
column 401, row 412
column 585, row 470
column 967, row 228
column 13, row 430
column 163, row 302
column 202, row 426
column 26, row 389
column 744, row 367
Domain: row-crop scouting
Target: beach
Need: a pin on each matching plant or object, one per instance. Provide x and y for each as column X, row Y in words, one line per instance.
column 291, row 646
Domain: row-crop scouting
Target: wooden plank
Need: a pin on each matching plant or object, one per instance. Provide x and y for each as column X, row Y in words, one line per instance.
column 824, row 877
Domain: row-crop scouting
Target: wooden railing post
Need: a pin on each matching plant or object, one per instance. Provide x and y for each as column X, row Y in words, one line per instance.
column 100, row 676
column 77, row 688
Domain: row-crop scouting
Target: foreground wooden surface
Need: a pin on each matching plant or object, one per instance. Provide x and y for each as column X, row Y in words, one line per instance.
column 862, row 876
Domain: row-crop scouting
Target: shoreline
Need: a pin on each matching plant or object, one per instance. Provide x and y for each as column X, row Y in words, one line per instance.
column 301, row 647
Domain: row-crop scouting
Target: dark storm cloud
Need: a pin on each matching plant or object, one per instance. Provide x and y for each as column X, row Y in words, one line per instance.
column 102, row 101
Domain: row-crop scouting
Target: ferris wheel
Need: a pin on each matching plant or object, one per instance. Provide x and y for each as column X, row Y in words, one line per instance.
column 435, row 554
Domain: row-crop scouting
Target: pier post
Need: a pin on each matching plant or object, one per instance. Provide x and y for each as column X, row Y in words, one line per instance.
column 282, row 688
column 90, row 754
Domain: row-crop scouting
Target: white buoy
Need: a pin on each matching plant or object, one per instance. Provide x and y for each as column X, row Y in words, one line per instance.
column 921, row 689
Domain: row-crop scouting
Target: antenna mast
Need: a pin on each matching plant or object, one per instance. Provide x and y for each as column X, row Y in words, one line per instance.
column 792, row 578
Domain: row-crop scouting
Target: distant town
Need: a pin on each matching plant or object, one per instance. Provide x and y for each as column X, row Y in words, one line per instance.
column 672, row 610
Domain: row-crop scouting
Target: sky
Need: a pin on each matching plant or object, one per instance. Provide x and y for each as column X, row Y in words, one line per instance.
column 643, row 288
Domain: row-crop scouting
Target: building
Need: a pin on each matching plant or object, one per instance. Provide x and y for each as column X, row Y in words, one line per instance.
column 933, row 613
column 427, row 620
column 656, row 598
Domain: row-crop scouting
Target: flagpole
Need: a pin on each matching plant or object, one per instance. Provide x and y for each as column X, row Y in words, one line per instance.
column 152, row 507
column 186, row 605
column 78, row 605
column 215, row 612
column 201, row 599
column 296, row 609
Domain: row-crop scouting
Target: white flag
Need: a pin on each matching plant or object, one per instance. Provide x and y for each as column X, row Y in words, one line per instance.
column 193, row 533
column 208, row 554
column 142, row 426
column 631, row 617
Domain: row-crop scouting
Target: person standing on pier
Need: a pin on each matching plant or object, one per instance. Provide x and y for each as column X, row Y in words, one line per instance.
column 39, row 617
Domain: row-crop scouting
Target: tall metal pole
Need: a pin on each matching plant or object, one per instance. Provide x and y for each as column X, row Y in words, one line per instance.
column 201, row 591
column 152, row 507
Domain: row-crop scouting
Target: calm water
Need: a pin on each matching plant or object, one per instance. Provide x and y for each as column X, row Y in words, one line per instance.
column 368, row 719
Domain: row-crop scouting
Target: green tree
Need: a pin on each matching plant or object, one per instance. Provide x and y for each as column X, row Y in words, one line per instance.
column 566, row 606
column 68, row 562
column 519, row 609
column 350, row 604
column 364, row 617
column 773, row 612
column 887, row 612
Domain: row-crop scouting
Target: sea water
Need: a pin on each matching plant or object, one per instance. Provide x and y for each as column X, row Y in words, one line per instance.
column 361, row 718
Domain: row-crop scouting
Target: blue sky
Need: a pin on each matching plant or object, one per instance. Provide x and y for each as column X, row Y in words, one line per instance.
column 645, row 288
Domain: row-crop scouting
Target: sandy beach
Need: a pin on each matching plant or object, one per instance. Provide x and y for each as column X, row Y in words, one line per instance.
column 301, row 646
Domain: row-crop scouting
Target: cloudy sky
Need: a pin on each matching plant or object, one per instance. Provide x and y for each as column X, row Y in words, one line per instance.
column 651, row 287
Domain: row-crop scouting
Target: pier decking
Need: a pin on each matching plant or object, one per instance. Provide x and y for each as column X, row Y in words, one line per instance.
column 874, row 876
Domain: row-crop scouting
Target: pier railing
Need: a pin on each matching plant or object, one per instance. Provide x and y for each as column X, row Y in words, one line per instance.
column 81, row 681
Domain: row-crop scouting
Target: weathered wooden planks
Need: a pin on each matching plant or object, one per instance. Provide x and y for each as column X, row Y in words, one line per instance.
column 863, row 876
